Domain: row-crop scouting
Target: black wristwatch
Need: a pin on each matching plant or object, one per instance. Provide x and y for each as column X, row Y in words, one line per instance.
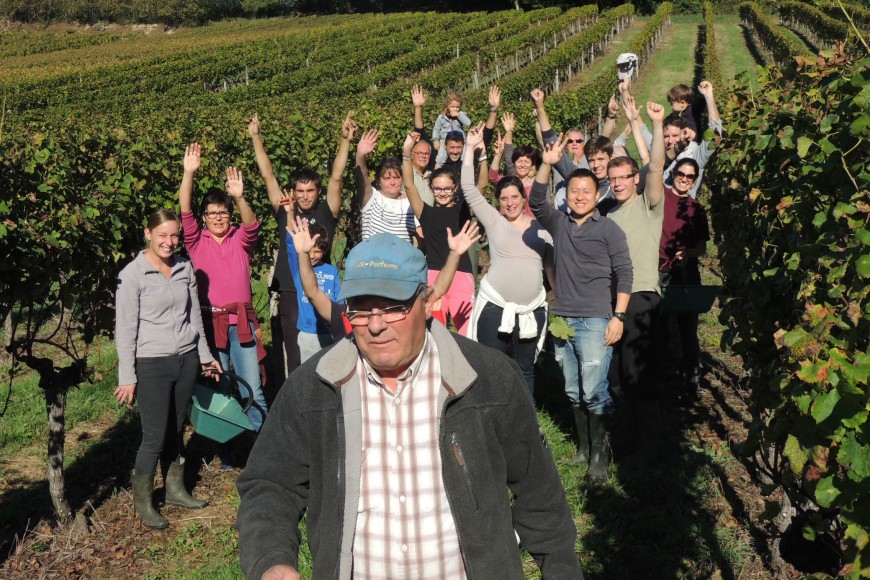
column 620, row 316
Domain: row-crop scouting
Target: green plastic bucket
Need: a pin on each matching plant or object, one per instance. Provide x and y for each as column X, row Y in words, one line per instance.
column 216, row 415
column 688, row 298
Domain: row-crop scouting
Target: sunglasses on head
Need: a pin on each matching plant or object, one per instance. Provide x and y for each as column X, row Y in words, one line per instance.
column 686, row 176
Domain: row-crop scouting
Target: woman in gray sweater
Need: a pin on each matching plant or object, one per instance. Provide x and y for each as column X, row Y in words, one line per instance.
column 161, row 349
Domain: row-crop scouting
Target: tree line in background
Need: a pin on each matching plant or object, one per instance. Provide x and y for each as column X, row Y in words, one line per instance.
column 190, row 12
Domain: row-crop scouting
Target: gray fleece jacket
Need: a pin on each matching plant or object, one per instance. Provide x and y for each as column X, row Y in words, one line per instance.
column 307, row 461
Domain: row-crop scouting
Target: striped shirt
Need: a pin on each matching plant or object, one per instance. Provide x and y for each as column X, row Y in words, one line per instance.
column 384, row 214
column 404, row 527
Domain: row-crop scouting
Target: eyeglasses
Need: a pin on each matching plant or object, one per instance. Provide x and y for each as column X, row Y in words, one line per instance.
column 442, row 190
column 388, row 314
column 216, row 214
column 686, row 176
column 423, row 153
column 572, row 141
column 618, row 178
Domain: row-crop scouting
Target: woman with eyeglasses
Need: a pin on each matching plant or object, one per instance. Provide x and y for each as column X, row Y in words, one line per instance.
column 510, row 312
column 684, row 239
column 221, row 256
column 448, row 212
column 161, row 350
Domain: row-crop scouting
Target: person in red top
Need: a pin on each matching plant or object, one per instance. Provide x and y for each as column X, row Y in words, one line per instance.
column 684, row 239
column 221, row 256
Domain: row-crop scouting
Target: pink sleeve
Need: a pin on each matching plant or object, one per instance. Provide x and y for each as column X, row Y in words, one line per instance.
column 191, row 229
column 494, row 175
column 249, row 235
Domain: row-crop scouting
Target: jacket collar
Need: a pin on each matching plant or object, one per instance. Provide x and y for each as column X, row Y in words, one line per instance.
column 338, row 365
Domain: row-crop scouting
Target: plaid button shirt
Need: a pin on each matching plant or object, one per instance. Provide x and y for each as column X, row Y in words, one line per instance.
column 404, row 528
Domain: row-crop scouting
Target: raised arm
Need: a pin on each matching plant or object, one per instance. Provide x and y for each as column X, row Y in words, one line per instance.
column 543, row 119
column 492, row 118
column 655, row 186
column 706, row 89
column 459, row 245
column 508, row 121
column 414, row 198
column 366, row 145
column 544, row 212
column 418, row 99
column 633, row 115
column 487, row 214
column 333, row 190
column 303, row 243
column 610, row 121
column 236, row 189
column 192, row 161
column 265, row 164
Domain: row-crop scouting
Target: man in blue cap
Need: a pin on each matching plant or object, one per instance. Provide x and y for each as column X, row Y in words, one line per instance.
column 400, row 444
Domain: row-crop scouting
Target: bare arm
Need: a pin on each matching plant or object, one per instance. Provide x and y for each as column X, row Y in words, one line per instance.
column 265, row 164
column 418, row 98
column 236, row 190
column 655, row 186
column 610, row 122
column 333, row 190
column 192, row 161
column 414, row 198
column 614, row 329
column 494, row 102
column 633, row 115
column 706, row 89
column 366, row 145
column 458, row 244
column 543, row 119
column 304, row 243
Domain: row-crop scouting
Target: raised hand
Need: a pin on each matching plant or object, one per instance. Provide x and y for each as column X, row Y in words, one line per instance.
column 368, row 142
column 192, row 157
column 302, row 240
column 552, row 152
column 464, row 238
column 288, row 200
column 624, row 86
column 348, row 128
column 418, row 97
column 537, row 97
column 494, row 97
column 474, row 137
column 498, row 147
column 235, row 186
column 508, row 121
column 254, row 126
column 706, row 89
column 612, row 107
column 411, row 140
column 630, row 108
column 655, row 112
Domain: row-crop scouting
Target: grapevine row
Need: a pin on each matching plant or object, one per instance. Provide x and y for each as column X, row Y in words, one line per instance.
column 820, row 28
column 709, row 56
column 859, row 14
column 773, row 40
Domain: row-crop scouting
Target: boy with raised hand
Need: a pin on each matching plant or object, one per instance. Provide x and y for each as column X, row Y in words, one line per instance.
column 314, row 331
column 329, row 309
column 221, row 257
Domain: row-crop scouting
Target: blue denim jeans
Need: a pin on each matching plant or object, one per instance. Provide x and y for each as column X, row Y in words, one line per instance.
column 585, row 361
column 246, row 365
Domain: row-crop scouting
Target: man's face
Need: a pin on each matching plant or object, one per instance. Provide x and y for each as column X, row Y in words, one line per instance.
column 420, row 155
column 672, row 137
column 575, row 144
column 390, row 348
column 598, row 164
column 623, row 182
column 582, row 196
column 454, row 149
column 306, row 195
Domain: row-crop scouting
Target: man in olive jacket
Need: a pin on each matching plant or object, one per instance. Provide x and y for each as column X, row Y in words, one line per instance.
column 400, row 443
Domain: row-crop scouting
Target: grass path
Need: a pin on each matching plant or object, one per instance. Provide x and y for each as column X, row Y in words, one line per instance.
column 734, row 54
column 608, row 58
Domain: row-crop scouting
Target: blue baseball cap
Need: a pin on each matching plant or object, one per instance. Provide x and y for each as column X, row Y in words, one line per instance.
column 383, row 265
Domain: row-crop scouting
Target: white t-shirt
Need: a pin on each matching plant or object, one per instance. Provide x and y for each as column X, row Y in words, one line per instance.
column 383, row 214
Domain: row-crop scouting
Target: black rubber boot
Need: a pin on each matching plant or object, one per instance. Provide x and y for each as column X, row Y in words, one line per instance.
column 176, row 494
column 581, row 422
column 143, row 491
column 599, row 457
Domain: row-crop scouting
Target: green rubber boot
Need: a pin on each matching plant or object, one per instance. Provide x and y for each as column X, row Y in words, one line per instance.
column 599, row 452
column 176, row 494
column 143, row 491
column 581, row 422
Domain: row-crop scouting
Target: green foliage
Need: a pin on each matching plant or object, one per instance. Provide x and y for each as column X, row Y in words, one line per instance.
column 791, row 208
column 709, row 55
column 822, row 28
column 781, row 47
column 860, row 15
